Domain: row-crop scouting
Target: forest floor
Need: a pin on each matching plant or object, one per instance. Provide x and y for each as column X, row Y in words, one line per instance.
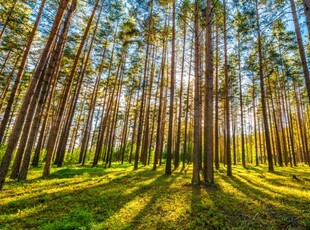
column 77, row 197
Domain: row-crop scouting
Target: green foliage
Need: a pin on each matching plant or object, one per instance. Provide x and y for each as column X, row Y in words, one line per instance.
column 78, row 219
column 119, row 198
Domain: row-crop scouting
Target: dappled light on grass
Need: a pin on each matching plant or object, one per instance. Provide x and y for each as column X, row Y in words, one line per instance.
column 119, row 198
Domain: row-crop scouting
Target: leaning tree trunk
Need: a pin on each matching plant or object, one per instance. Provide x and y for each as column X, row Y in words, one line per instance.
column 52, row 73
column 13, row 139
column 65, row 134
column 300, row 45
column 22, row 65
column 8, row 18
column 307, row 13
column 7, row 84
column 55, row 127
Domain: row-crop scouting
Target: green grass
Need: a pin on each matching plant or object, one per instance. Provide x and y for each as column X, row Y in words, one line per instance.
column 119, row 198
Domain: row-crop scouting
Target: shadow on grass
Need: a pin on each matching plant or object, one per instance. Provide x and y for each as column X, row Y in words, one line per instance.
column 100, row 198
column 281, row 212
column 148, row 199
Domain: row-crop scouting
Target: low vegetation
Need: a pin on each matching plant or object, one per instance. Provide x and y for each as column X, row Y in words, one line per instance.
column 77, row 197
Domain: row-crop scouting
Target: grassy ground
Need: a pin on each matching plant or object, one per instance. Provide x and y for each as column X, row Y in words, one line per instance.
column 119, row 198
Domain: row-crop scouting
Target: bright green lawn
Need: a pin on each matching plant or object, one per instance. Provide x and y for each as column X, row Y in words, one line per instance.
column 119, row 198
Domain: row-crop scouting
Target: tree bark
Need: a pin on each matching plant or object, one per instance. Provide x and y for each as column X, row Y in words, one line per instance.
column 227, row 83
column 263, row 94
column 13, row 139
column 307, row 13
column 22, row 65
column 56, row 126
column 197, row 120
column 300, row 45
column 172, row 89
column 209, row 108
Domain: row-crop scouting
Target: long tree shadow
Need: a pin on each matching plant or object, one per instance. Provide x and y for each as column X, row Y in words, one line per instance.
column 271, row 209
column 159, row 195
column 101, row 199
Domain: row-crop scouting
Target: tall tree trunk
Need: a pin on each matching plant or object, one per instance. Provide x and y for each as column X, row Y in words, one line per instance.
column 22, row 65
column 13, row 139
column 227, row 83
column 216, row 125
column 65, row 134
column 160, row 107
column 178, row 141
column 145, row 142
column 208, row 126
column 8, row 18
column 141, row 113
column 134, row 133
column 172, row 86
column 241, row 104
column 7, row 57
column 125, row 130
column 185, row 152
column 90, row 114
column 52, row 74
column 263, row 94
column 26, row 128
column 105, row 108
column 197, row 120
column 307, row 13
column 22, row 175
column 255, row 126
column 56, row 126
column 300, row 44
column 7, row 84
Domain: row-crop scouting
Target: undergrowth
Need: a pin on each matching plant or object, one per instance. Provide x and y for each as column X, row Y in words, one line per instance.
column 77, row 197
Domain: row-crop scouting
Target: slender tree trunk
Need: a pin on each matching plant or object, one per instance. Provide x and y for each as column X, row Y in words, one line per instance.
column 185, row 151
column 178, row 141
column 197, row 121
column 65, row 134
column 134, row 133
column 52, row 74
column 300, row 43
column 7, row 57
column 8, row 18
column 13, row 139
column 255, row 126
column 208, row 126
column 172, row 86
column 307, row 13
column 90, row 114
column 55, row 127
column 160, row 109
column 125, row 130
column 24, row 134
column 263, row 94
column 146, row 134
column 105, row 108
column 141, row 113
column 7, row 85
column 22, row 65
column 33, row 131
column 241, row 104
column 227, row 83
column 216, row 125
